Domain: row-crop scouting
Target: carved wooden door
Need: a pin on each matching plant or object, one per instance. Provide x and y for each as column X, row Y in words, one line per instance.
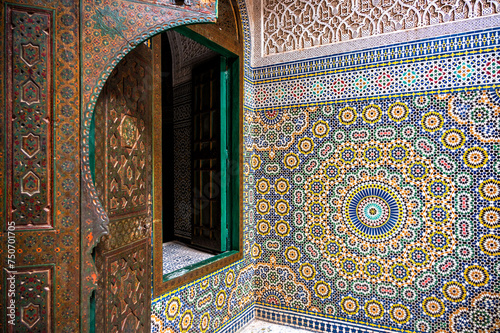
column 123, row 177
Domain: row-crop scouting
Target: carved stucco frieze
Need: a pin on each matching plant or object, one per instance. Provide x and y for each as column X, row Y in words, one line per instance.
column 185, row 53
column 296, row 24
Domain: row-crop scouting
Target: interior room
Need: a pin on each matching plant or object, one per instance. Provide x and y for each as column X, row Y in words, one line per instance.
column 250, row 166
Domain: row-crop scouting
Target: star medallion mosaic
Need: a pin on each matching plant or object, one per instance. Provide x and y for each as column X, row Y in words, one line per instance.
column 391, row 218
column 380, row 210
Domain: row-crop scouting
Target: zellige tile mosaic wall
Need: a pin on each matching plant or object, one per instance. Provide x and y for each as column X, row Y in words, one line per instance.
column 224, row 300
column 372, row 183
column 374, row 186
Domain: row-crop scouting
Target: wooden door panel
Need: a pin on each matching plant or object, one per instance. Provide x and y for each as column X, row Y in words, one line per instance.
column 123, row 180
column 206, row 226
column 29, row 231
column 125, row 289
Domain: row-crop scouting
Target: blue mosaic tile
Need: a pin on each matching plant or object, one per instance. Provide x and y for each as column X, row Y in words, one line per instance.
column 378, row 207
column 421, row 50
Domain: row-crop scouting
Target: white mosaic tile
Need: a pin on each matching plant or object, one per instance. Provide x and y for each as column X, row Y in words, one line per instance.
column 177, row 255
column 260, row 326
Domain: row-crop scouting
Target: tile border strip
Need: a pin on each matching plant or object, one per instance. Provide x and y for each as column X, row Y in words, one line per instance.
column 239, row 321
column 316, row 321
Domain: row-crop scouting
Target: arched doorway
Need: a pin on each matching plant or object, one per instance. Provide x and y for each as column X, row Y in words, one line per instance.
column 122, row 164
column 108, row 32
column 123, row 178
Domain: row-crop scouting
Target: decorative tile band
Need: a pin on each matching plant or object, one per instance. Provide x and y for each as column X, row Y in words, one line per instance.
column 371, row 98
column 239, row 321
column 434, row 46
column 448, row 71
column 415, row 34
column 316, row 322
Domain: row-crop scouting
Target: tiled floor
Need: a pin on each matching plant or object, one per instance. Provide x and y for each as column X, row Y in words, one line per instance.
column 260, row 326
column 176, row 255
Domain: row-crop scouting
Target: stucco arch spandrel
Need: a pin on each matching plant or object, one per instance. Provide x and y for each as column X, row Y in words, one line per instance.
column 109, row 30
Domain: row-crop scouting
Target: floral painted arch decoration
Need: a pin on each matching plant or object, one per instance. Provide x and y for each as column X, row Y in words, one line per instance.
column 110, row 30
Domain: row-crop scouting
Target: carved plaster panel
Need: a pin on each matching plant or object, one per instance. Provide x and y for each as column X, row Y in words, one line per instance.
column 185, row 53
column 300, row 25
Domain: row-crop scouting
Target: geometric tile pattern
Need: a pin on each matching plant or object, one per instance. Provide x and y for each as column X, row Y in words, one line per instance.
column 384, row 212
column 383, row 209
column 214, row 303
column 466, row 137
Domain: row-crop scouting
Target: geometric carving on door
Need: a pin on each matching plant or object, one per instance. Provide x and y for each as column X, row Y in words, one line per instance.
column 123, row 177
column 30, row 93
column 30, row 314
column 30, row 184
column 127, row 283
column 123, row 133
column 113, row 141
column 30, row 144
column 33, row 298
column 30, row 54
column 29, row 129
column 126, row 231
column 131, row 323
column 128, row 131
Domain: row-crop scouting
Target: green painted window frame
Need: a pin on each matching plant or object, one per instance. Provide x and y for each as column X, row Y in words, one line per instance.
column 228, row 129
column 231, row 139
column 231, row 76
